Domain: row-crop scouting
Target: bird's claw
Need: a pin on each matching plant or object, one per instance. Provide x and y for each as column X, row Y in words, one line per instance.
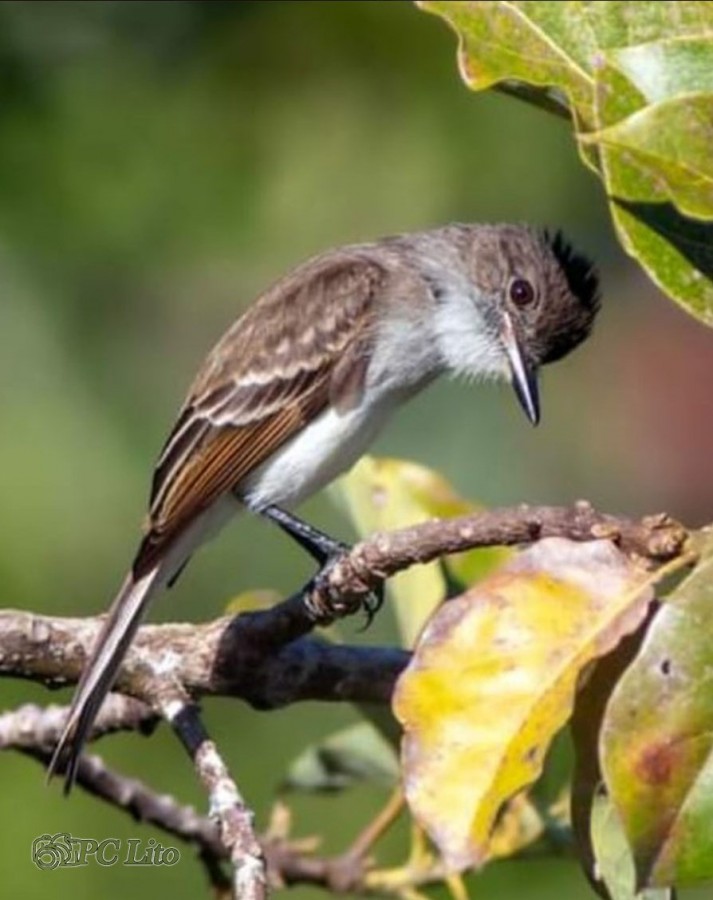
column 371, row 604
column 324, row 603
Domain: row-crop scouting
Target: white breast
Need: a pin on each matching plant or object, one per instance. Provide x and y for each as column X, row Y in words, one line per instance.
column 325, row 448
column 405, row 360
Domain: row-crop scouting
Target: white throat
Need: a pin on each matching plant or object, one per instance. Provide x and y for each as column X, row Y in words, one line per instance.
column 464, row 339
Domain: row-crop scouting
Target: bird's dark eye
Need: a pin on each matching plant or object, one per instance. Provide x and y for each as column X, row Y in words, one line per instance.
column 522, row 292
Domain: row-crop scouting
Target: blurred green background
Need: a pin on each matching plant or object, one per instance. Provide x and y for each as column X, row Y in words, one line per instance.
column 160, row 164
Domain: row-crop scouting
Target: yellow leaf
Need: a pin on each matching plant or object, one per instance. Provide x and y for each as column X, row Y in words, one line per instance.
column 384, row 494
column 253, row 600
column 493, row 679
column 519, row 826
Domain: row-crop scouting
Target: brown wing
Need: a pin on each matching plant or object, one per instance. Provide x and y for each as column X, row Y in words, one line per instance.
column 271, row 374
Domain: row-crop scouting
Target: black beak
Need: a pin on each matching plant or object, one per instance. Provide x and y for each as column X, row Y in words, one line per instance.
column 524, row 377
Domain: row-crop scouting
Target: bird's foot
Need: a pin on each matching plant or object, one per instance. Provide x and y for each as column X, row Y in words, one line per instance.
column 323, row 597
column 325, row 601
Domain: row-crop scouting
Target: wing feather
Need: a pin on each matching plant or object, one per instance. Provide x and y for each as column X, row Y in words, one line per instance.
column 269, row 376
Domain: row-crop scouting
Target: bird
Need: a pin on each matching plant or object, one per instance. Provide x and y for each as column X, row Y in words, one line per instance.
column 298, row 387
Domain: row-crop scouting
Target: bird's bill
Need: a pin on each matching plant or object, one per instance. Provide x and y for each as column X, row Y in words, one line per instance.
column 523, row 376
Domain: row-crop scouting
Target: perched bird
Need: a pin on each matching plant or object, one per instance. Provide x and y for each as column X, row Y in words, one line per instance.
column 298, row 387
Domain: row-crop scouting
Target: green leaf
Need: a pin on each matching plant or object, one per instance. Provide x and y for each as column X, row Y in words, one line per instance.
column 535, row 43
column 667, row 68
column 637, row 80
column 353, row 755
column 657, row 739
column 675, row 249
column 590, row 705
column 614, row 864
column 672, row 142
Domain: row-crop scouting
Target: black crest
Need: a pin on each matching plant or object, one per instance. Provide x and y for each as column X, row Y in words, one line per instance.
column 568, row 321
column 579, row 270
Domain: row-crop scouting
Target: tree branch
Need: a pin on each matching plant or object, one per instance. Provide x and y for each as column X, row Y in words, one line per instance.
column 219, row 658
column 656, row 539
column 268, row 659
column 263, row 656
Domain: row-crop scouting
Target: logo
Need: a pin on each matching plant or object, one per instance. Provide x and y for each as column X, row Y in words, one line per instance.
column 52, row 851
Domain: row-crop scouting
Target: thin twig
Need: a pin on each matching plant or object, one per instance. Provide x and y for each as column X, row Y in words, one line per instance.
column 227, row 807
column 655, row 538
column 31, row 726
column 378, row 826
column 34, row 731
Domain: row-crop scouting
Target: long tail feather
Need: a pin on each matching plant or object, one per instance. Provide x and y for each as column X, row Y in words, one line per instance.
column 123, row 619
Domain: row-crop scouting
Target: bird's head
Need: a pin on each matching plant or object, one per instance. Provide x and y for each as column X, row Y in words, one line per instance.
column 531, row 299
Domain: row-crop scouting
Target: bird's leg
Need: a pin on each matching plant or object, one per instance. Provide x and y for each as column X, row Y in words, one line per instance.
column 323, row 548
column 319, row 545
